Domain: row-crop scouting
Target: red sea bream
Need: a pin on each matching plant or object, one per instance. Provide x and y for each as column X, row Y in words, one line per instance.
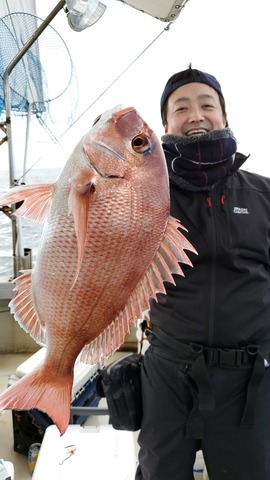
column 108, row 245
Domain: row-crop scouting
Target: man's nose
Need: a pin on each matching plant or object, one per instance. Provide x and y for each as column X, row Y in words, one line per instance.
column 195, row 114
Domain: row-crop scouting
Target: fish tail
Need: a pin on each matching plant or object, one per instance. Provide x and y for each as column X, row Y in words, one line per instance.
column 51, row 396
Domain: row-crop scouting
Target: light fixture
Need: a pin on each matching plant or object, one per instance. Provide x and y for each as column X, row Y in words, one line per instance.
column 84, row 13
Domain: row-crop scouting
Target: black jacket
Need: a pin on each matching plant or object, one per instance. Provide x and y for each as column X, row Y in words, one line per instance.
column 224, row 300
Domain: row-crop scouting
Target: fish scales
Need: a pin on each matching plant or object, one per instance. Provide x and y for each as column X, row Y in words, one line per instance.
column 107, row 246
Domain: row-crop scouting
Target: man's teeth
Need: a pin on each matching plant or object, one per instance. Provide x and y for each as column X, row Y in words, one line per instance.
column 195, row 132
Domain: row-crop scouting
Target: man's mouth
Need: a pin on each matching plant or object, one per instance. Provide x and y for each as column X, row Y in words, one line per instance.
column 196, row 131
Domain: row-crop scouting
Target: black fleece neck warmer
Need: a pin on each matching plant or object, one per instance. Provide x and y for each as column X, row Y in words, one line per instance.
column 200, row 161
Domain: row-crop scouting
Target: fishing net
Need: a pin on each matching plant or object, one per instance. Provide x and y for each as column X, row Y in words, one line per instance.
column 44, row 81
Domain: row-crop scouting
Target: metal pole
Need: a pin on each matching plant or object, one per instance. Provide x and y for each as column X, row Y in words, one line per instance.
column 15, row 237
column 26, row 140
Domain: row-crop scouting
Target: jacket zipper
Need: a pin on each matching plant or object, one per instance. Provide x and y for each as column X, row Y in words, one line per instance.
column 209, row 204
column 211, row 212
column 222, row 201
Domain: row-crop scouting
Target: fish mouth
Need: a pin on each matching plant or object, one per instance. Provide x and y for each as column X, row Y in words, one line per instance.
column 102, row 145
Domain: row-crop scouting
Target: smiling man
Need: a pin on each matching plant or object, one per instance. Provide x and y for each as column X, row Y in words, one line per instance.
column 205, row 375
column 194, row 109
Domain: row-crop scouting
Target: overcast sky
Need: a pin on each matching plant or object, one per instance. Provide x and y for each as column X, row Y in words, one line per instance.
column 229, row 39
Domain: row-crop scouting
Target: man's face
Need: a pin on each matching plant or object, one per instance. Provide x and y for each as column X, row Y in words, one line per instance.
column 194, row 109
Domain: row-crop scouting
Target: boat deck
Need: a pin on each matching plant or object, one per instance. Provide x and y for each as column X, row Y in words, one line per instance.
column 8, row 365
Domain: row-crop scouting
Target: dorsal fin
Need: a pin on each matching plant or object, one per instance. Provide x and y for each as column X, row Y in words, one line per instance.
column 23, row 309
column 165, row 262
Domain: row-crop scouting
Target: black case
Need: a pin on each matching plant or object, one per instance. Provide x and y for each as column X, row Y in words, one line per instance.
column 120, row 384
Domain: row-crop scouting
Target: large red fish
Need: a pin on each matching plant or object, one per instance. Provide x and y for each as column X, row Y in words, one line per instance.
column 107, row 246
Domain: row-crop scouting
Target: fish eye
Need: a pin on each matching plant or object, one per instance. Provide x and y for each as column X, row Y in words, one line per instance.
column 140, row 143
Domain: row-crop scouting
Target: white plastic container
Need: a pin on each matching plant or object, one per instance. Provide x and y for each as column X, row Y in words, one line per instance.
column 6, row 470
column 86, row 452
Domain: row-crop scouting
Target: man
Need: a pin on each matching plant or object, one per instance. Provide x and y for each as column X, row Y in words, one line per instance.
column 205, row 375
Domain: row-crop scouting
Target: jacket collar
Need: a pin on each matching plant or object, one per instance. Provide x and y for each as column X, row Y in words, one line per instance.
column 240, row 159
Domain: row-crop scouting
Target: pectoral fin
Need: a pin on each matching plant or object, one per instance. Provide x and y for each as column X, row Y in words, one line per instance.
column 81, row 192
column 36, row 200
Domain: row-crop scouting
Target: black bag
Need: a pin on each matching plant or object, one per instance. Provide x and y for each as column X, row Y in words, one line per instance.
column 120, row 384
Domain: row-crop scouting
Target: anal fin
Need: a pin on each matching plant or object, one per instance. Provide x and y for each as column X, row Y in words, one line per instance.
column 23, row 308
